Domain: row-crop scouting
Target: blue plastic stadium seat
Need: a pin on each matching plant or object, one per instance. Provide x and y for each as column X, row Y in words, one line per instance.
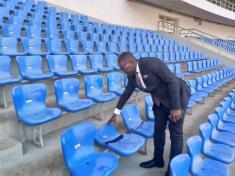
column 101, row 47
column 196, row 96
column 34, row 46
column 111, row 60
column 66, row 91
column 58, row 65
column 55, row 46
column 149, row 107
column 9, row 46
column 93, row 89
column 114, row 81
column 30, row 105
column 204, row 166
column 225, row 116
column 204, row 80
column 5, row 72
column 68, row 34
column 74, row 47
column 113, row 47
column 171, row 67
column 180, row 165
column 200, row 89
column 30, row 68
column 52, row 33
column 219, row 152
column 12, row 31
column 79, row 63
column 88, row 47
column 123, row 47
column 80, row 156
column 96, row 62
column 82, row 36
column 123, row 144
column 134, row 123
column 16, row 20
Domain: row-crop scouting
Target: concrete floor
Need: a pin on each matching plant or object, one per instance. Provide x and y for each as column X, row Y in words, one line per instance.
column 48, row 161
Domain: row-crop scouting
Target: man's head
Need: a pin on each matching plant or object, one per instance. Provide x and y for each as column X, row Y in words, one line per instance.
column 127, row 63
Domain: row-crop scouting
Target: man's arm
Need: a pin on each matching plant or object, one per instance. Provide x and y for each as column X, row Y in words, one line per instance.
column 161, row 70
column 122, row 100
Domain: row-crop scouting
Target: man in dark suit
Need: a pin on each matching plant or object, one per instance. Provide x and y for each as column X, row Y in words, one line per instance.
column 170, row 95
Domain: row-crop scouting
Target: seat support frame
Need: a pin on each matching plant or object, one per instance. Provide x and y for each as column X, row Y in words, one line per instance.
column 37, row 135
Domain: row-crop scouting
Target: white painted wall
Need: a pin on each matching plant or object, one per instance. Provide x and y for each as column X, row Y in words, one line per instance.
column 127, row 13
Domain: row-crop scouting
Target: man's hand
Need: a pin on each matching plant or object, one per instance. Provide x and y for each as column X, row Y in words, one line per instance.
column 113, row 119
column 175, row 115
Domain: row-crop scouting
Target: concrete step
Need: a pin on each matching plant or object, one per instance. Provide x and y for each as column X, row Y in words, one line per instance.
column 10, row 151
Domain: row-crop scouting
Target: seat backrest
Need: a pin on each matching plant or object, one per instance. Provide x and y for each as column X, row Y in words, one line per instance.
column 79, row 62
column 66, row 90
column 178, row 68
column 131, row 116
column 29, row 64
column 57, row 62
column 114, row 80
column 192, row 85
column 12, row 30
column 73, row 45
column 205, row 131
column 96, row 61
column 171, row 67
column 105, row 133
column 226, row 103
column 5, row 66
column 199, row 83
column 205, row 81
column 148, row 101
column 180, row 165
column 32, row 44
column 213, row 119
column 77, row 142
column 29, row 98
column 7, row 44
column 220, row 112
column 194, row 145
column 93, row 85
column 111, row 60
column 54, row 45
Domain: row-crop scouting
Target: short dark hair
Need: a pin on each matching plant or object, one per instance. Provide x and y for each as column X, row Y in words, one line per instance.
column 124, row 56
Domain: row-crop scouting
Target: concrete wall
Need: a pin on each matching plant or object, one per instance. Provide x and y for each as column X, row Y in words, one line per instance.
column 135, row 14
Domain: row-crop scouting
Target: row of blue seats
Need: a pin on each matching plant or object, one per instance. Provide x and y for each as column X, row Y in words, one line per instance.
column 124, row 144
column 202, row 65
column 194, row 67
column 209, row 153
column 30, row 67
column 218, row 44
column 66, row 91
column 9, row 46
column 15, row 30
column 201, row 87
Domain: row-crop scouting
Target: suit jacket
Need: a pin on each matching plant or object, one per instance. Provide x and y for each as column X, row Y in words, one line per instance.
column 171, row 91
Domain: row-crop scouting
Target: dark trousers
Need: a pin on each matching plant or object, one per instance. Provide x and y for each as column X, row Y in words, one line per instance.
column 176, row 133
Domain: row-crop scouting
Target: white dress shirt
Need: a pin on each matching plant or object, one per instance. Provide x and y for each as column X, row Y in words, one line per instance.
column 118, row 111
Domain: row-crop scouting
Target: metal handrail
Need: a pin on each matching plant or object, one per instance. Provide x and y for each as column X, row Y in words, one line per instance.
column 166, row 26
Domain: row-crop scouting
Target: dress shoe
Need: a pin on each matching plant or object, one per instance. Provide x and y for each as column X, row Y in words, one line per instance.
column 152, row 163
